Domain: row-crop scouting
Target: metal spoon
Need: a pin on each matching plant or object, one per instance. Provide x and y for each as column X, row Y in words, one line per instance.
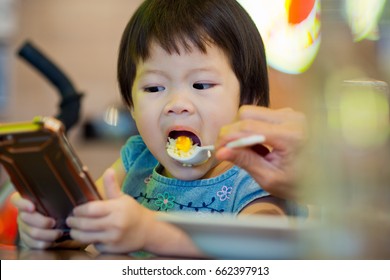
column 202, row 154
column 199, row 156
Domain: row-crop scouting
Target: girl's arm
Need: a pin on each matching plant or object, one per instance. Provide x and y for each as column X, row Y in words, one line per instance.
column 119, row 224
column 268, row 205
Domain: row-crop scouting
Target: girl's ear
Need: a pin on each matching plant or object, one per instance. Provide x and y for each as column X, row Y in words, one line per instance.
column 132, row 112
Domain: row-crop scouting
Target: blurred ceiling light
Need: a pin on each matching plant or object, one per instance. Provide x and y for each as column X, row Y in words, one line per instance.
column 363, row 17
column 290, row 30
column 111, row 116
column 360, row 111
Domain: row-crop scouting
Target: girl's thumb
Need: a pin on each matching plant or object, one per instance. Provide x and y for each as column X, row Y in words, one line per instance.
column 111, row 186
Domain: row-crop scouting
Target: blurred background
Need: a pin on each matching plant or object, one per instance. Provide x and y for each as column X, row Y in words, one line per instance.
column 315, row 39
column 312, row 47
column 81, row 38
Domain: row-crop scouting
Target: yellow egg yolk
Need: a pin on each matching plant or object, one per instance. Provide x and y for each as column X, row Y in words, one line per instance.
column 184, row 143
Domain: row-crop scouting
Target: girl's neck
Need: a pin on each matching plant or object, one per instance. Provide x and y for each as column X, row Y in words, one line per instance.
column 215, row 171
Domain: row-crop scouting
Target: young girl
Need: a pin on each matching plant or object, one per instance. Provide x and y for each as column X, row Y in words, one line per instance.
column 185, row 68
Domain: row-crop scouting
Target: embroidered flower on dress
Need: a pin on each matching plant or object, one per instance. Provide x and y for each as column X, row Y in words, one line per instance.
column 224, row 193
column 147, row 179
column 164, row 201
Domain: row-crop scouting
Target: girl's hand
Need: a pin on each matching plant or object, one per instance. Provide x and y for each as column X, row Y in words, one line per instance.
column 120, row 224
column 35, row 230
column 285, row 134
column 116, row 224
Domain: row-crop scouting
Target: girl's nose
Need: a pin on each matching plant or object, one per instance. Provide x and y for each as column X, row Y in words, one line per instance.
column 179, row 103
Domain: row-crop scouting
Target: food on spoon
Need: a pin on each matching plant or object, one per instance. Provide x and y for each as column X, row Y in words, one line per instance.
column 183, row 143
column 182, row 146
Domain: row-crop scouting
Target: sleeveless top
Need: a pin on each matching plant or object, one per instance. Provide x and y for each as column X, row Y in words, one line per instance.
column 227, row 193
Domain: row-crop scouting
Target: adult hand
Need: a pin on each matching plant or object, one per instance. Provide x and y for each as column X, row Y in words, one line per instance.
column 285, row 132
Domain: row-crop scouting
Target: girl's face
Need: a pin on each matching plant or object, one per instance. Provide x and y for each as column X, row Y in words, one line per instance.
column 192, row 93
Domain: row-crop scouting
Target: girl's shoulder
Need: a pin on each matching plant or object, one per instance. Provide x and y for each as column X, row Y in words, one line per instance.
column 135, row 150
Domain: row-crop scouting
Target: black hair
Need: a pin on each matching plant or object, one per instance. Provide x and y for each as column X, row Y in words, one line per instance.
column 199, row 23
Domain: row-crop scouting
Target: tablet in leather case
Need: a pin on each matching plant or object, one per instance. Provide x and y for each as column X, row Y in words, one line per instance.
column 44, row 168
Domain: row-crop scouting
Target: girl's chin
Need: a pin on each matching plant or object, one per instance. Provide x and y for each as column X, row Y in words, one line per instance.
column 187, row 173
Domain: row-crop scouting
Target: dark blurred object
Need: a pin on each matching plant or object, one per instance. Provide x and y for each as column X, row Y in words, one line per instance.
column 70, row 99
column 69, row 112
column 116, row 123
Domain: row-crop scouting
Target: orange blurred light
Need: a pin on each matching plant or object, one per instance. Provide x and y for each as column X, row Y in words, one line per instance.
column 291, row 30
column 298, row 10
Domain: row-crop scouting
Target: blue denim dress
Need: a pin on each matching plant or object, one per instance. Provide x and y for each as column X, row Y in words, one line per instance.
column 227, row 193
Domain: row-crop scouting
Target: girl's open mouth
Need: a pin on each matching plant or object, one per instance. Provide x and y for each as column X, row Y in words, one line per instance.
column 175, row 134
column 182, row 143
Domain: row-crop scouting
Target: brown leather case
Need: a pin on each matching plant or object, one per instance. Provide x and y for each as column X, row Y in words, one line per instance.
column 44, row 168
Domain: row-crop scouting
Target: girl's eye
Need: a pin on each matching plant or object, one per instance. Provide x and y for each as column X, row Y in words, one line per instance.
column 154, row 89
column 202, row 86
